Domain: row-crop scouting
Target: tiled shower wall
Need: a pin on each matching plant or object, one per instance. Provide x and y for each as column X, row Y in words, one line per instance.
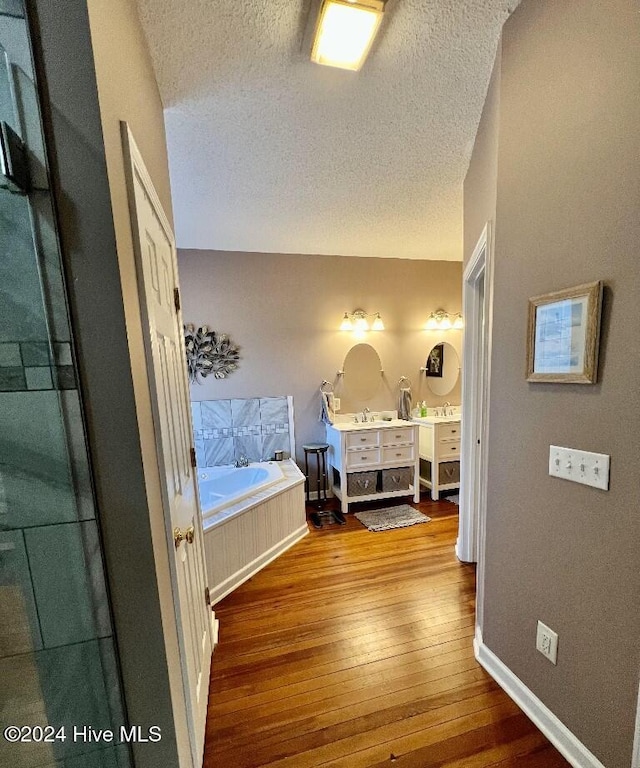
column 252, row 427
column 57, row 653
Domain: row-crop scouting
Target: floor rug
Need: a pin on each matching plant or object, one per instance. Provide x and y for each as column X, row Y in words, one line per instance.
column 455, row 499
column 391, row 517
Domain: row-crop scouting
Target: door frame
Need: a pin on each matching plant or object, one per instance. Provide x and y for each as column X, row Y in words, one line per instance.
column 476, row 382
column 134, row 163
column 635, row 759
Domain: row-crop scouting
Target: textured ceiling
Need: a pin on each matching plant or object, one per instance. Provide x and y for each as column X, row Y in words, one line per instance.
column 269, row 152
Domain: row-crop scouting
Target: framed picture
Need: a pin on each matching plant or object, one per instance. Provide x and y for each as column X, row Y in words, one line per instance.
column 435, row 362
column 564, row 334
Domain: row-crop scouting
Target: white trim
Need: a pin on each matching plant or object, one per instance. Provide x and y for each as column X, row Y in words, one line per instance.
column 571, row 748
column 476, row 379
column 249, row 570
column 635, row 760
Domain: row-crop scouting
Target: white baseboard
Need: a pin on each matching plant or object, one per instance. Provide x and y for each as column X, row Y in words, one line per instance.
column 554, row 729
column 635, row 760
column 246, row 572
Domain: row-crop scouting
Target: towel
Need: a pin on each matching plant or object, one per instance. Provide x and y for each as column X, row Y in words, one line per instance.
column 404, row 404
column 326, row 407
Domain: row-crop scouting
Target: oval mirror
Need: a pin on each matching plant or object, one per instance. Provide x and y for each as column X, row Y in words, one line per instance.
column 442, row 368
column 362, row 373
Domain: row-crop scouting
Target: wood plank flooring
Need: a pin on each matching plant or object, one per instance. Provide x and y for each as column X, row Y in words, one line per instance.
column 354, row 650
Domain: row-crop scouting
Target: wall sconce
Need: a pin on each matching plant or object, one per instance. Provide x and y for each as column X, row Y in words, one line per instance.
column 357, row 321
column 345, row 32
column 443, row 321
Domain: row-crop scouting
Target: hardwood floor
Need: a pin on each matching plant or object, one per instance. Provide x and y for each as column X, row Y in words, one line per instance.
column 354, row 650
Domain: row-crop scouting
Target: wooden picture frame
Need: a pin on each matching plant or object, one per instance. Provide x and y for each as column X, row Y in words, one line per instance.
column 563, row 335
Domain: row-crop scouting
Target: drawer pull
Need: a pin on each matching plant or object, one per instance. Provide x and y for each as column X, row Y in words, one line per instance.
column 398, row 454
column 363, row 458
column 363, row 439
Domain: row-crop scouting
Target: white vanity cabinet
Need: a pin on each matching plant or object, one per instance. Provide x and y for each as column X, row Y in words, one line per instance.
column 439, row 449
column 373, row 461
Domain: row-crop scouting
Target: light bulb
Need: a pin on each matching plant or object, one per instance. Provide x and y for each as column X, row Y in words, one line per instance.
column 346, row 324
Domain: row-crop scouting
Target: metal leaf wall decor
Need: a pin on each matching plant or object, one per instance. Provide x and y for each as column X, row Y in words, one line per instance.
column 209, row 353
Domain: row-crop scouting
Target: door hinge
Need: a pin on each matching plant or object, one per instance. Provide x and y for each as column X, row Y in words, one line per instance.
column 192, row 453
column 176, row 298
column 207, row 596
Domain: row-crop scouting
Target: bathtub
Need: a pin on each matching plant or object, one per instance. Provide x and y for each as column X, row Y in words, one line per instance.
column 221, row 487
column 251, row 515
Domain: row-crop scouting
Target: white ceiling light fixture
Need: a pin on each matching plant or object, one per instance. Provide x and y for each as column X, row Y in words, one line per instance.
column 345, row 32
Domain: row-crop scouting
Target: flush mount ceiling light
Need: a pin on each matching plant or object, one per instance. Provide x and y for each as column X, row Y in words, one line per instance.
column 345, row 32
column 443, row 321
column 357, row 321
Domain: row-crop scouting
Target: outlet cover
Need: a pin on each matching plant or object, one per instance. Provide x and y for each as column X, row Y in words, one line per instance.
column 547, row 642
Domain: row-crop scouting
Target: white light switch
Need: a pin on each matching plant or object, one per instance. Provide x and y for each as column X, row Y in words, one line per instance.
column 579, row 466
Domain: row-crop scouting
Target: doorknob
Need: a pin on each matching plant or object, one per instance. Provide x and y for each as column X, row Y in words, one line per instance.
column 179, row 536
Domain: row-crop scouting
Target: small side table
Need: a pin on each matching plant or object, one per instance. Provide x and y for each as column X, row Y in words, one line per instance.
column 319, row 450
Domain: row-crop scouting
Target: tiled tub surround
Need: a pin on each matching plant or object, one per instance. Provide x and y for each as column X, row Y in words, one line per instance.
column 254, row 427
column 242, row 538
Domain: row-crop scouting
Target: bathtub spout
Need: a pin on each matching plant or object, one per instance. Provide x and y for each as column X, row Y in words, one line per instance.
column 242, row 461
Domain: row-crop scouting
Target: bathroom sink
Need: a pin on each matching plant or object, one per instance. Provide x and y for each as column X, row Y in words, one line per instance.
column 436, row 419
column 347, row 426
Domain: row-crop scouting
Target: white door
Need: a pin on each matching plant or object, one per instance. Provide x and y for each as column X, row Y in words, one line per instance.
column 158, row 279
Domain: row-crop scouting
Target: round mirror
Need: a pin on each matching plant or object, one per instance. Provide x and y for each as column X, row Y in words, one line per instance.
column 362, row 373
column 442, row 368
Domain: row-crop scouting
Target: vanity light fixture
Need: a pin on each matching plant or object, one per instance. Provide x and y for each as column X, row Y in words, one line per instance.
column 345, row 31
column 443, row 321
column 357, row 321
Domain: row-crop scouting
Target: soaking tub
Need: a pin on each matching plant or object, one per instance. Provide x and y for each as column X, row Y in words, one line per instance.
column 220, row 487
column 251, row 515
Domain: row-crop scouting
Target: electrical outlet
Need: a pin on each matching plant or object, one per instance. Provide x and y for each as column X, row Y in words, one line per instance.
column 547, row 642
column 336, row 404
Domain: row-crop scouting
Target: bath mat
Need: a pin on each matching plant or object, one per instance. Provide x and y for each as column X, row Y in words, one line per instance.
column 455, row 499
column 391, row 517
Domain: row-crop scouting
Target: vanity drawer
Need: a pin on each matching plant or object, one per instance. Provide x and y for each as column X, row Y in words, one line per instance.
column 448, row 431
column 364, row 458
column 398, row 453
column 449, row 449
column 362, row 439
column 397, row 436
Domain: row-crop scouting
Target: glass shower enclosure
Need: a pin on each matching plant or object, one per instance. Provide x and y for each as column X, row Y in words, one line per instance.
column 59, row 672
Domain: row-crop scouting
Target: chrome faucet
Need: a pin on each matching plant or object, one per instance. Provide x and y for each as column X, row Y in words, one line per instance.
column 365, row 411
column 242, row 461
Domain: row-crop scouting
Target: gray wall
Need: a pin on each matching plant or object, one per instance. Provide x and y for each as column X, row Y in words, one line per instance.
column 568, row 188
column 285, row 310
column 481, row 181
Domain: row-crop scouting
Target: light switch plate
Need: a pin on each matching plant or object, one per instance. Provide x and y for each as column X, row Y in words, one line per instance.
column 579, row 466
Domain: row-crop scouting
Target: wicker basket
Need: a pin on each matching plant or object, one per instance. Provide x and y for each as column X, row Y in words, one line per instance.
column 449, row 472
column 362, row 483
column 396, row 479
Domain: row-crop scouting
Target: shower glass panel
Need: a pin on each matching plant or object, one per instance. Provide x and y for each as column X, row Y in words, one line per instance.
column 58, row 662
